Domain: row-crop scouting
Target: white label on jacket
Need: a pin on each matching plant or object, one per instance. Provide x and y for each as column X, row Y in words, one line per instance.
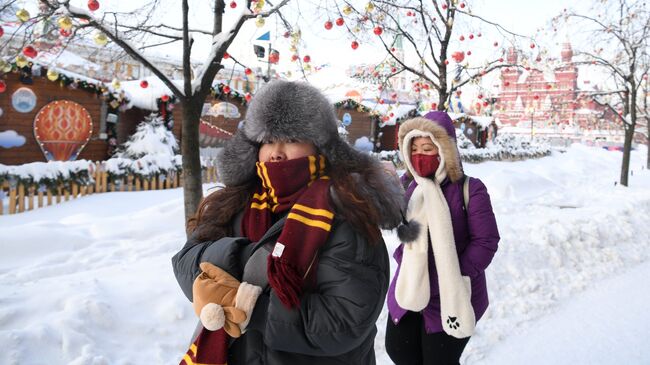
column 278, row 249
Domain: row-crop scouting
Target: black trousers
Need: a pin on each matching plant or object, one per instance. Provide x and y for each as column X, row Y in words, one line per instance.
column 407, row 343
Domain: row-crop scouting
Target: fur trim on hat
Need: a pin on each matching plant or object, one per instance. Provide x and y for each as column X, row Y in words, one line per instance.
column 236, row 162
column 283, row 111
column 448, row 147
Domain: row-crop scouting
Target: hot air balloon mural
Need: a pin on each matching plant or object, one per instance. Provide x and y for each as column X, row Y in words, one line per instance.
column 62, row 129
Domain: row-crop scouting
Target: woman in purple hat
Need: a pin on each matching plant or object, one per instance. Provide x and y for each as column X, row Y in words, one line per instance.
column 449, row 238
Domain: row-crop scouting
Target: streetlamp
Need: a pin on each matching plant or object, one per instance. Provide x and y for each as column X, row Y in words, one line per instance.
column 531, row 111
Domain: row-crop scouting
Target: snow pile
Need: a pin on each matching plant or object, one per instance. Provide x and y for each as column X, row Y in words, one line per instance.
column 50, row 174
column 504, row 147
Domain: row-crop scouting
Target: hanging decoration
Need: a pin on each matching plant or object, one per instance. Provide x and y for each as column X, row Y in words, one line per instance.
column 5, row 66
column 100, row 39
column 340, row 22
column 347, row 10
column 3, row 86
column 144, row 84
column 233, row 4
column 116, row 84
column 65, row 23
column 93, row 5
column 65, row 33
column 259, row 21
column 62, row 129
column 30, row 51
column 328, row 25
column 354, row 45
column 165, row 106
column 378, row 30
column 2, row 31
column 52, row 75
column 370, row 7
column 23, row 15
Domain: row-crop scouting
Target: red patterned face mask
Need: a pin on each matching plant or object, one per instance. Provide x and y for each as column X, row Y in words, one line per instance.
column 425, row 165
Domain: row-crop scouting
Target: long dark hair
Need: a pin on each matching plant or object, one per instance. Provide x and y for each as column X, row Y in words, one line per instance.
column 213, row 219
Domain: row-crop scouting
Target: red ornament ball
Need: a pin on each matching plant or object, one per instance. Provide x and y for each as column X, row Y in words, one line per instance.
column 462, row 38
column 165, row 98
column 248, row 96
column 248, row 71
column 434, row 106
column 294, row 57
column 306, row 59
column 93, row 5
column 354, row 45
column 287, row 34
column 458, row 56
column 2, row 31
column 471, row 36
column 226, row 89
column 233, row 4
column 496, row 44
column 226, row 56
column 65, row 33
column 144, row 84
column 30, row 51
column 339, row 22
column 3, row 86
column 328, row 25
column 532, row 45
column 378, row 30
column 446, row 62
column 462, row 5
column 469, row 53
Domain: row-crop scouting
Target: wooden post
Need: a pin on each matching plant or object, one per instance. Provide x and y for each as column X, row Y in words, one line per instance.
column 145, row 184
column 168, row 181
column 122, row 184
column 59, row 193
column 40, row 198
column 83, row 190
column 12, row 201
column 180, row 180
column 137, row 184
column 161, row 182
column 49, row 197
column 111, row 186
column 75, row 190
column 30, row 199
column 104, row 182
column 175, row 181
column 66, row 194
column 129, row 183
column 97, row 177
column 21, row 198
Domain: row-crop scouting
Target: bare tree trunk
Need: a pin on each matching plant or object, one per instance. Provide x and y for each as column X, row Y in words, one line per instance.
column 647, row 163
column 192, row 184
column 627, row 148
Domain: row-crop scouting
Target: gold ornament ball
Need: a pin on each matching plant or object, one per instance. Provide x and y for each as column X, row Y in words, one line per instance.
column 100, row 39
column 23, row 15
column 259, row 21
column 21, row 61
column 52, row 75
column 370, row 7
column 116, row 84
column 65, row 23
column 347, row 10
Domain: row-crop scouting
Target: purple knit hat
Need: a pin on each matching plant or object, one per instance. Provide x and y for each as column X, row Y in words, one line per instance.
column 443, row 120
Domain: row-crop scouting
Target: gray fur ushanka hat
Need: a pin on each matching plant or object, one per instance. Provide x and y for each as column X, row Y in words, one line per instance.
column 286, row 111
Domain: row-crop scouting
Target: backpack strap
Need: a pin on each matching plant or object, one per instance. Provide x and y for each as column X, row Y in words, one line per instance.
column 466, row 191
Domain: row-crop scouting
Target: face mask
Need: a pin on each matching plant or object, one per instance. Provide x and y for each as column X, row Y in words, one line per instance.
column 425, row 165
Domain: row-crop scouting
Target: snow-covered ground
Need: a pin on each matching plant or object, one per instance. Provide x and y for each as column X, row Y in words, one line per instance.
column 90, row 281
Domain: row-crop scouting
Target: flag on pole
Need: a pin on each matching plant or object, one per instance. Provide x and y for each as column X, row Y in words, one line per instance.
column 265, row 37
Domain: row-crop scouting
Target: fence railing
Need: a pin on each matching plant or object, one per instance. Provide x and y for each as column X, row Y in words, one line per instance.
column 23, row 197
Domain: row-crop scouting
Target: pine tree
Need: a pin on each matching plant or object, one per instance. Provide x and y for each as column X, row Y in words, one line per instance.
column 150, row 138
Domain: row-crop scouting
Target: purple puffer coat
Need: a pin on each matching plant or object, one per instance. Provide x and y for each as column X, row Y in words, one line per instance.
column 475, row 233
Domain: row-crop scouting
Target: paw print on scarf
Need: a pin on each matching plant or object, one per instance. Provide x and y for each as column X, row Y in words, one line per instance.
column 453, row 323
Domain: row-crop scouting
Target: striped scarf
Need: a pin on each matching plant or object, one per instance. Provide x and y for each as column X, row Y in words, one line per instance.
column 301, row 187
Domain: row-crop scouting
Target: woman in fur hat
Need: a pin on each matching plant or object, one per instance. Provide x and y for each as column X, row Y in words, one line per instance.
column 439, row 289
column 300, row 217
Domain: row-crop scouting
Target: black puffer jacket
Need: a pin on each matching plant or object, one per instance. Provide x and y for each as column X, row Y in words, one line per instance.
column 335, row 323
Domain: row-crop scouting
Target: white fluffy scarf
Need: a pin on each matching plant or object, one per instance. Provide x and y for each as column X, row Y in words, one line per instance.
column 428, row 207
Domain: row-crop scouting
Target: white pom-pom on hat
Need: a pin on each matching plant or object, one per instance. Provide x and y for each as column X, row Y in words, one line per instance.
column 212, row 316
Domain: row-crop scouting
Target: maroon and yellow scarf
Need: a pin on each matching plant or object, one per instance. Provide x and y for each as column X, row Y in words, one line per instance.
column 301, row 187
